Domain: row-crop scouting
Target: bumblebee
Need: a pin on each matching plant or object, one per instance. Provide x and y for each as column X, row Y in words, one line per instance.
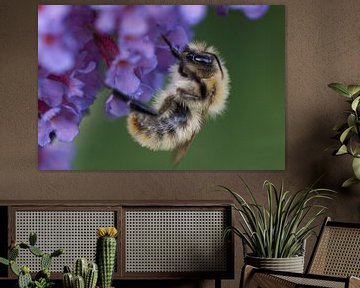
column 198, row 88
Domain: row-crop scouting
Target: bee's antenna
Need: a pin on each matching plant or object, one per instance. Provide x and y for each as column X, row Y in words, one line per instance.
column 173, row 49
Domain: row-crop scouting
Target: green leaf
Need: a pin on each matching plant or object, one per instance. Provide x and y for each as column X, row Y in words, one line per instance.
column 351, row 121
column 349, row 182
column 342, row 150
column 4, row 261
column 355, row 103
column 13, row 253
column 14, row 268
column 36, row 251
column 345, row 134
column 356, row 167
column 354, row 145
column 340, row 88
column 353, row 89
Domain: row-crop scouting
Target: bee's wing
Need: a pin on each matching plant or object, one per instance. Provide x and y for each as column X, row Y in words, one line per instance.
column 181, row 150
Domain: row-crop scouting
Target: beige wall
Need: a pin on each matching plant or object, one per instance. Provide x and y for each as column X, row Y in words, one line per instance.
column 322, row 46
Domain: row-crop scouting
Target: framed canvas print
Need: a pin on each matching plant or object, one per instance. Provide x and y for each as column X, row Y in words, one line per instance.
column 161, row 87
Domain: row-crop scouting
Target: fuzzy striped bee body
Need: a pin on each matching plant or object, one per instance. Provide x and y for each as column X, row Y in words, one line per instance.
column 198, row 88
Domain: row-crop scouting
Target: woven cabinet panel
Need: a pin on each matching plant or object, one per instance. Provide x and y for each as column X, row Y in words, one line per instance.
column 175, row 241
column 74, row 231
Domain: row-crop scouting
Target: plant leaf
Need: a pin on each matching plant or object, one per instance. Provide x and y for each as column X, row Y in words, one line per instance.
column 4, row 261
column 340, row 88
column 356, row 167
column 353, row 89
column 342, row 150
column 345, row 134
column 355, row 103
column 349, row 182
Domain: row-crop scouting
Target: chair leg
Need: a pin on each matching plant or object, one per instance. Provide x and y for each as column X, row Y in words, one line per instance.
column 217, row 283
column 246, row 274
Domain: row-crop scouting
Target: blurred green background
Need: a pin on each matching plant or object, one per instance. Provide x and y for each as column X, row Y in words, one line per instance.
column 250, row 135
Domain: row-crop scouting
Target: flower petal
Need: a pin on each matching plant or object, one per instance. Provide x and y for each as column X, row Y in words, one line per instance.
column 55, row 156
column 114, row 107
column 252, row 12
column 44, row 130
column 65, row 124
column 193, row 14
column 51, row 92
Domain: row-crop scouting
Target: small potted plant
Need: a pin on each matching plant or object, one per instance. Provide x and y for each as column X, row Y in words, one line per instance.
column 348, row 132
column 276, row 233
column 42, row 278
column 84, row 274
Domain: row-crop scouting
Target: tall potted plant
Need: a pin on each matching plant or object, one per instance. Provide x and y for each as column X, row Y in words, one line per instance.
column 348, row 132
column 275, row 234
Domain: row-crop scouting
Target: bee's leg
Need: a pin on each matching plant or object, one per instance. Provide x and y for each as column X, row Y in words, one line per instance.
column 202, row 85
column 135, row 105
column 189, row 95
column 166, row 104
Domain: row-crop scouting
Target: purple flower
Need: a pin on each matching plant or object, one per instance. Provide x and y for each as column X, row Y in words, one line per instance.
column 252, row 12
column 193, row 14
column 56, row 156
column 143, row 57
column 73, row 41
column 62, row 31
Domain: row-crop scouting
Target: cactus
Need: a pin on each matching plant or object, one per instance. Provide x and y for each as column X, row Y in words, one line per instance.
column 14, row 268
column 24, row 278
column 32, row 239
column 44, row 273
column 13, row 253
column 79, row 282
column 68, row 280
column 36, row 251
column 80, row 268
column 105, row 254
column 90, row 272
column 57, row 253
column 4, row 261
column 91, row 276
column 45, row 261
column 42, row 278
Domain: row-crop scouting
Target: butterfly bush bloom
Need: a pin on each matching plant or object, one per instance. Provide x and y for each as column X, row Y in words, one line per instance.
column 252, row 12
column 82, row 48
column 57, row 156
column 143, row 58
column 68, row 78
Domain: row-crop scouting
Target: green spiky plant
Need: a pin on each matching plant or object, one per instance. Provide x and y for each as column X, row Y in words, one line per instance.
column 42, row 278
column 279, row 229
column 348, row 133
column 106, row 254
column 85, row 275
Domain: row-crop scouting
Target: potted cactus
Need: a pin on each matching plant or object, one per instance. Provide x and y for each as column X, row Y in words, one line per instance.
column 84, row 275
column 106, row 254
column 42, row 278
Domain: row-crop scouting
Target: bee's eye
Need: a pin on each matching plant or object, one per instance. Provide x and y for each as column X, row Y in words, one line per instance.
column 203, row 59
column 198, row 58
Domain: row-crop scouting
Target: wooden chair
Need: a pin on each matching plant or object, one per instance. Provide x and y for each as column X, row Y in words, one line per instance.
column 334, row 263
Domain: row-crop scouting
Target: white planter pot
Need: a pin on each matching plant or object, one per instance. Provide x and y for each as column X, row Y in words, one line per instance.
column 291, row 264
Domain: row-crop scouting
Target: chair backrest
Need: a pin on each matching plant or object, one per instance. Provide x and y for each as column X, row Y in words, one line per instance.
column 337, row 251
